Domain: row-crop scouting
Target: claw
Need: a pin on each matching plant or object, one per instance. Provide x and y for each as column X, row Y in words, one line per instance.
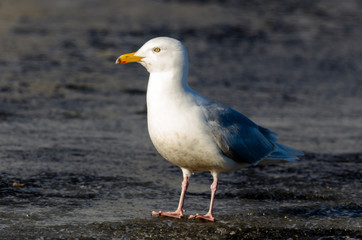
column 176, row 214
column 156, row 213
column 207, row 217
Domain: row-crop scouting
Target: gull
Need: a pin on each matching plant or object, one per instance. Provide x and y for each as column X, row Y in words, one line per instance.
column 195, row 133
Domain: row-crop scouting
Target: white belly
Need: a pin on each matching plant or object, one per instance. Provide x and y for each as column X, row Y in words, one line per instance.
column 184, row 139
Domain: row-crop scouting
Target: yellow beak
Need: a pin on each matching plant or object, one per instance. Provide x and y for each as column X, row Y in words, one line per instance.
column 127, row 58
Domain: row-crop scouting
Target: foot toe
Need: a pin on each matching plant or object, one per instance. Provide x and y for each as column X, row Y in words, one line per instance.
column 207, row 217
column 176, row 214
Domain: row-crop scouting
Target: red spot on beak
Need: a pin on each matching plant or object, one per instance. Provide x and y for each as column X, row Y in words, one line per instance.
column 124, row 62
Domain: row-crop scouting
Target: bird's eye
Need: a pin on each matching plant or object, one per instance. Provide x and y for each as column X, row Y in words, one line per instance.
column 157, row 49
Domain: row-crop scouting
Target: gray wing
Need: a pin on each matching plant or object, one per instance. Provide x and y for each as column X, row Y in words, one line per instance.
column 241, row 139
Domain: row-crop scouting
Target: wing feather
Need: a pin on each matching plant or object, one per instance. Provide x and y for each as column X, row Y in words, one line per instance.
column 237, row 136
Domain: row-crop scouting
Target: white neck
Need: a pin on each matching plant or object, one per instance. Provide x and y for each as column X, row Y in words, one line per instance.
column 167, row 84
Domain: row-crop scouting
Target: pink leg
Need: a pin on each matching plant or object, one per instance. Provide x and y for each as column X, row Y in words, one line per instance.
column 208, row 216
column 179, row 213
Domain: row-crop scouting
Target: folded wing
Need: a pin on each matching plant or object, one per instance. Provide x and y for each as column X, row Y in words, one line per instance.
column 241, row 139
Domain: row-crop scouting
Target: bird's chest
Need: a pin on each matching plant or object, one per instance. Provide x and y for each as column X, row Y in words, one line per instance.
column 174, row 131
column 172, row 118
column 179, row 134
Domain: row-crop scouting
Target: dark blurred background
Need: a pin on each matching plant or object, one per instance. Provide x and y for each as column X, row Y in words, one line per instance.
column 73, row 124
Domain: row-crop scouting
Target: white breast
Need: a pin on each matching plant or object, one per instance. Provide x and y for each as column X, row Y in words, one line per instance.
column 179, row 131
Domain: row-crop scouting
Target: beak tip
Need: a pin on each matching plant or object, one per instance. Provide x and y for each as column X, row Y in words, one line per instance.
column 128, row 58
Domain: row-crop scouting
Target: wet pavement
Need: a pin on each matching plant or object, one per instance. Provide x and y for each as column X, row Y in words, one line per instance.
column 76, row 161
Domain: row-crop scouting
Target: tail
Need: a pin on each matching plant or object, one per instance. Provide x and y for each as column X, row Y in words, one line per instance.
column 281, row 152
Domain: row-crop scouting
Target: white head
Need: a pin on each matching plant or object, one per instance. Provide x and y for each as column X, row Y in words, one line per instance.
column 162, row 54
